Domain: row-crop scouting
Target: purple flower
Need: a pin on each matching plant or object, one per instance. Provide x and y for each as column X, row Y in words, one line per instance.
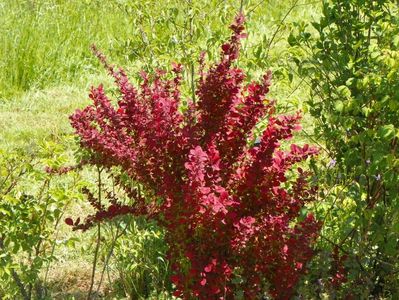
column 332, row 163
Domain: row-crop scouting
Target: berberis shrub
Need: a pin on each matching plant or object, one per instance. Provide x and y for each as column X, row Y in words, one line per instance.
column 232, row 215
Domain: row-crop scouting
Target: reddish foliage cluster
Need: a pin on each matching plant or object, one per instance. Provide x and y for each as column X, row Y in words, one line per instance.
column 228, row 208
column 65, row 169
column 338, row 271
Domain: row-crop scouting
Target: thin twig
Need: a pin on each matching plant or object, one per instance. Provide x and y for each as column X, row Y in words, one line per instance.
column 241, row 5
column 111, row 250
column 97, row 242
column 278, row 28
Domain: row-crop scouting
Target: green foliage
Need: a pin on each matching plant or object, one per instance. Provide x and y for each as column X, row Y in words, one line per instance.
column 180, row 30
column 140, row 262
column 350, row 60
column 28, row 222
column 46, row 43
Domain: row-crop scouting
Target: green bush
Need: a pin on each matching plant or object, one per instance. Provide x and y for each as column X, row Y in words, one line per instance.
column 32, row 204
column 350, row 61
column 139, row 260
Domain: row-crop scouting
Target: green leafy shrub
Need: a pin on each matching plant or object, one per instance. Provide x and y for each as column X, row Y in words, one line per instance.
column 139, row 261
column 351, row 64
column 32, row 204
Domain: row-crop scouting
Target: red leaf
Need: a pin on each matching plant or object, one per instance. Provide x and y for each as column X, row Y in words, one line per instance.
column 69, row 221
column 203, row 281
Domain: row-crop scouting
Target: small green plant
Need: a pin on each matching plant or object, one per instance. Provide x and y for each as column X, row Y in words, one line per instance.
column 31, row 210
column 139, row 259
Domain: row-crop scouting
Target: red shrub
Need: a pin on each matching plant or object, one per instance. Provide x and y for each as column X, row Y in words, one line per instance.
column 228, row 208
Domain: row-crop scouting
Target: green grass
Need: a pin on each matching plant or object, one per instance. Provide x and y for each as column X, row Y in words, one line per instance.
column 47, row 67
column 35, row 116
column 46, row 43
